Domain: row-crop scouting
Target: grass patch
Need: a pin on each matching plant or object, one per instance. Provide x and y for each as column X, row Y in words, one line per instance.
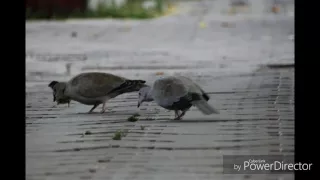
column 134, row 118
column 133, row 9
column 119, row 134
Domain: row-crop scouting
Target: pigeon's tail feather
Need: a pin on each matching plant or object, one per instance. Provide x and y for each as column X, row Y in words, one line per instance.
column 129, row 86
column 205, row 96
column 204, row 107
column 134, row 83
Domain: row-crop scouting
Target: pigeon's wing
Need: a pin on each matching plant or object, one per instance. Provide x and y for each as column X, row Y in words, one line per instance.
column 169, row 90
column 92, row 85
column 197, row 96
column 193, row 87
column 190, row 85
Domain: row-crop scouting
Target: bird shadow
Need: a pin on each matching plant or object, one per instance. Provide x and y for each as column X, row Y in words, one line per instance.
column 92, row 113
column 106, row 113
column 88, row 113
column 192, row 120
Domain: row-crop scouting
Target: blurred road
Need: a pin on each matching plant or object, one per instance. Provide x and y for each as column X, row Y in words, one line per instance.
column 225, row 53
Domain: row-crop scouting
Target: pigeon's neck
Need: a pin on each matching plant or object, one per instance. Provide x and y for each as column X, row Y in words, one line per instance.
column 149, row 96
column 66, row 89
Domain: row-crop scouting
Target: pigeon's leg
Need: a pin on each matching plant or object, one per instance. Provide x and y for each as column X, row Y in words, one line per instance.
column 96, row 105
column 103, row 107
column 181, row 115
column 176, row 112
column 177, row 115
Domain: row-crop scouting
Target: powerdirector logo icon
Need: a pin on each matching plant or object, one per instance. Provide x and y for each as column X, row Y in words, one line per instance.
column 264, row 164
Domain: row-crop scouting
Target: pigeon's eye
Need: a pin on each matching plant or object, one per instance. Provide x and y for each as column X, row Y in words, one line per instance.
column 139, row 94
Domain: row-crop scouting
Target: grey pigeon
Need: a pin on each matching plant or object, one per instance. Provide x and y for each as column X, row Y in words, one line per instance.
column 93, row 88
column 176, row 93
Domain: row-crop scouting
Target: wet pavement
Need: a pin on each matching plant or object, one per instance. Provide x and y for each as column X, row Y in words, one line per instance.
column 225, row 54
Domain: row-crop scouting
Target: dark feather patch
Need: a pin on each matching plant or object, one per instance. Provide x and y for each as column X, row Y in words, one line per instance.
column 52, row 83
column 205, row 96
column 128, row 85
column 195, row 97
column 184, row 102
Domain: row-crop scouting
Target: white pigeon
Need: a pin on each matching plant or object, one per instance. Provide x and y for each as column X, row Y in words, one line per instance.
column 176, row 93
column 93, row 88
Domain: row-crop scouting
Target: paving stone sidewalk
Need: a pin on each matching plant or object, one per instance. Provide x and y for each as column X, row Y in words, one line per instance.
column 256, row 102
column 257, row 119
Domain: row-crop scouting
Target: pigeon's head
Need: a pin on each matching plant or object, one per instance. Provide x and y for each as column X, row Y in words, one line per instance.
column 58, row 89
column 144, row 95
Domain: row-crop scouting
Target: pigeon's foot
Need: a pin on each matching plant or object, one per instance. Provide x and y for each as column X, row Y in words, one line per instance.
column 180, row 116
column 103, row 108
column 91, row 110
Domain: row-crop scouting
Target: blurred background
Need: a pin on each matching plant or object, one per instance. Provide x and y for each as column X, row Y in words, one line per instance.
column 65, row 37
column 54, row 9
